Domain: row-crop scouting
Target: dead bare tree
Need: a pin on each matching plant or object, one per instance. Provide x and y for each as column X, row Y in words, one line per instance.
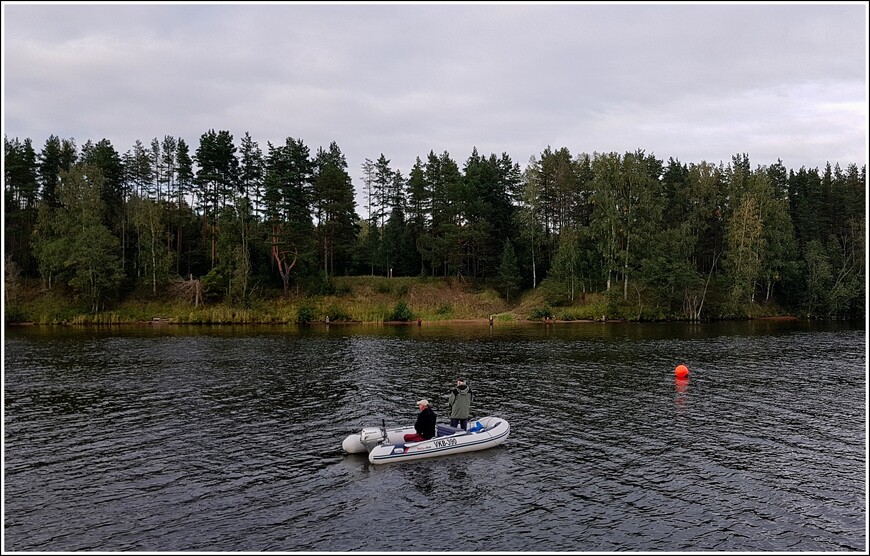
column 187, row 289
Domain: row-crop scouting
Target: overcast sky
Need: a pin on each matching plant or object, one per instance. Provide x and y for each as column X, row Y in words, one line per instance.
column 694, row 82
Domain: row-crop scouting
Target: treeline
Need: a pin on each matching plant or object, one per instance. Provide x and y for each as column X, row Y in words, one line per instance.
column 663, row 240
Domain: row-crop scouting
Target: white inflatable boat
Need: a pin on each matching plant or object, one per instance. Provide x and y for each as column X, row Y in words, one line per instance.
column 388, row 445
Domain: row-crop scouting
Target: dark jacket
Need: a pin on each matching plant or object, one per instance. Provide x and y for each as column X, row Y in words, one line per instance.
column 425, row 425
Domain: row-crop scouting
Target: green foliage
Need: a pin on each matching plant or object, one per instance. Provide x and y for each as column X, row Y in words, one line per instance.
column 691, row 241
column 589, row 311
column 745, row 252
column 540, row 313
column 384, row 287
column 11, row 281
column 325, row 286
column 73, row 246
column 617, row 306
column 401, row 313
column 306, row 314
column 667, row 271
column 52, row 307
column 553, row 292
column 563, row 282
column 234, row 248
column 338, row 314
column 398, row 253
column 509, row 271
column 391, row 286
column 214, row 284
column 14, row 314
column 218, row 171
column 97, row 273
column 149, row 220
column 319, row 284
column 333, row 191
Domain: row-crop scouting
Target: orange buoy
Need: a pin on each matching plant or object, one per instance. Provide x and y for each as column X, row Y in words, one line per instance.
column 681, row 371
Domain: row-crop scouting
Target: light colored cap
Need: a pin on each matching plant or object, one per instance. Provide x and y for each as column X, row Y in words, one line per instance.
column 423, row 402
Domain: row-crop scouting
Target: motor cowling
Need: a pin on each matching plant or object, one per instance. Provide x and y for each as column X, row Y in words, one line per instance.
column 371, row 437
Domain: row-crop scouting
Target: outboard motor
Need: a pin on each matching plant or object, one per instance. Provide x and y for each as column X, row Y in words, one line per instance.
column 372, row 436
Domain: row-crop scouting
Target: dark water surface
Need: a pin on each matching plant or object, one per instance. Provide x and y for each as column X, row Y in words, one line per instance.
column 229, row 438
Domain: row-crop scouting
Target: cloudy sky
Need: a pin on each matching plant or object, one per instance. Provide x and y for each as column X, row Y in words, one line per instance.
column 694, row 82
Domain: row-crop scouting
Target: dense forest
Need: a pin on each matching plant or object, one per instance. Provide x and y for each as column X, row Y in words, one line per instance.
column 660, row 240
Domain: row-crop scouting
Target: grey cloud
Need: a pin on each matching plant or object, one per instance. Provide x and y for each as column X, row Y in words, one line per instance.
column 694, row 82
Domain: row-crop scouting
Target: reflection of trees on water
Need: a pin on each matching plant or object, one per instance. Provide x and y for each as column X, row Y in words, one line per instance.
column 422, row 478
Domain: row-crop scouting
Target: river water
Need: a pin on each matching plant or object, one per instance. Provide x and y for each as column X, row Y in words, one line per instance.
column 175, row 438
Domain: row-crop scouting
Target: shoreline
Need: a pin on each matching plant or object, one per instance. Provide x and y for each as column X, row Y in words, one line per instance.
column 158, row 321
column 357, row 300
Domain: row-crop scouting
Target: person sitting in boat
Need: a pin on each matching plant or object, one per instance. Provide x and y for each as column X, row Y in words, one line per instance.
column 425, row 425
column 460, row 404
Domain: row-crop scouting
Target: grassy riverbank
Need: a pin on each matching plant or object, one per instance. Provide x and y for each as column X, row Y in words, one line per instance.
column 352, row 299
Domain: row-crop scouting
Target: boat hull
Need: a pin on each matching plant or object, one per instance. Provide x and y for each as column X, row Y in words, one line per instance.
column 491, row 432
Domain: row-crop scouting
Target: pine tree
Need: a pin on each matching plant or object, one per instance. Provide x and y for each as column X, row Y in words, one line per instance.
column 509, row 271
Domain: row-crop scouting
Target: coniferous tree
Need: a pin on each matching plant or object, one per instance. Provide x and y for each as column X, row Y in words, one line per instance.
column 381, row 186
column 419, row 212
column 334, row 207
column 184, row 248
column 217, row 178
column 445, row 179
column 671, row 236
column 169, row 161
column 158, row 169
column 21, row 174
column 398, row 251
column 508, row 271
column 251, row 173
column 398, row 247
column 779, row 247
column 380, row 206
column 104, row 156
column 56, row 156
column 21, row 178
column 475, row 229
column 184, row 175
column 287, row 201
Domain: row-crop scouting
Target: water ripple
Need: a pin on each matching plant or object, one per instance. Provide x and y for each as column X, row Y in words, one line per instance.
column 229, row 440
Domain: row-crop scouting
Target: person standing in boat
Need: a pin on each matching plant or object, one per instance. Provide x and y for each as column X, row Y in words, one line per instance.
column 460, row 404
column 425, row 425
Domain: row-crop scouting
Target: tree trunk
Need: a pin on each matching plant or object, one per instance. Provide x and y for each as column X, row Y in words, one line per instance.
column 281, row 260
column 534, row 273
column 625, row 271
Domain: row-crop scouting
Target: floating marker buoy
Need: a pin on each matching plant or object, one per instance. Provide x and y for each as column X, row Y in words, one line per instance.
column 681, row 371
